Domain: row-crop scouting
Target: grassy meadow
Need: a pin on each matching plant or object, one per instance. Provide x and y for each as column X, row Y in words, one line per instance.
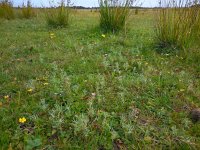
column 80, row 88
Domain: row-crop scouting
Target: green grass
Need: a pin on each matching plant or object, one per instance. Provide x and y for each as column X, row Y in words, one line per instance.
column 101, row 93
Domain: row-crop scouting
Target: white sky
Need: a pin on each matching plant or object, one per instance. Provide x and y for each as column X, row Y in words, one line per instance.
column 85, row 3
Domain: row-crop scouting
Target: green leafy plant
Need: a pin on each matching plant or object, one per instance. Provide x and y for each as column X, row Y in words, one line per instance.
column 175, row 23
column 27, row 11
column 114, row 14
column 59, row 17
column 6, row 10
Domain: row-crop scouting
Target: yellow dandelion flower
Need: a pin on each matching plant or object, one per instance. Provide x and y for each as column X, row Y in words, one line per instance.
column 6, row 97
column 103, row 35
column 30, row 90
column 22, row 120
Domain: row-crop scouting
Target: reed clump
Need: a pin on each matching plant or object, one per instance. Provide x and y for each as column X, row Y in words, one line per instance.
column 196, row 28
column 27, row 10
column 114, row 14
column 6, row 10
column 59, row 16
column 176, row 23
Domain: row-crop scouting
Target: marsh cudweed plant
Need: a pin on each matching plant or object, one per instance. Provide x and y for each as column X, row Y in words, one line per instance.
column 59, row 16
column 6, row 10
column 114, row 14
column 81, row 124
column 175, row 24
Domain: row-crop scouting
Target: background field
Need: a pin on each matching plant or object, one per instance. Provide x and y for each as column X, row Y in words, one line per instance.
column 91, row 92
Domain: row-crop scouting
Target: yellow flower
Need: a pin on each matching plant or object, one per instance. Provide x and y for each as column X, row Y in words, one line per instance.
column 6, row 97
column 22, row 120
column 46, row 83
column 30, row 90
column 52, row 34
column 103, row 35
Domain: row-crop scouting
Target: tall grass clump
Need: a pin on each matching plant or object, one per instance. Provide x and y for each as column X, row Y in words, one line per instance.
column 6, row 10
column 114, row 14
column 175, row 23
column 27, row 10
column 196, row 28
column 59, row 16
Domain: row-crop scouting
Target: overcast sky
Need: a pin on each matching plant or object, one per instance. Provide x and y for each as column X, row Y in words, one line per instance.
column 85, row 3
